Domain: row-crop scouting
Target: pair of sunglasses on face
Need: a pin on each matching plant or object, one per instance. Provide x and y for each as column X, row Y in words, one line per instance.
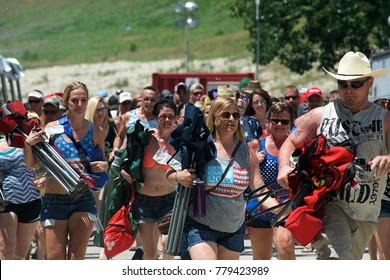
column 226, row 115
column 353, row 84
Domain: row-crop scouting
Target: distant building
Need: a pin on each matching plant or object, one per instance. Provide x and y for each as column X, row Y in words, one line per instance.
column 381, row 87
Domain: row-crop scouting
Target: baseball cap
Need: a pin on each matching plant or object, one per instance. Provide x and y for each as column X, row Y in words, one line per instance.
column 196, row 86
column 51, row 101
column 182, row 85
column 313, row 91
column 102, row 93
column 36, row 93
column 243, row 83
column 56, row 101
column 124, row 96
column 113, row 102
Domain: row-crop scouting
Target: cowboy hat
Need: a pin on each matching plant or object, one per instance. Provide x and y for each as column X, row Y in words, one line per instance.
column 252, row 85
column 354, row 66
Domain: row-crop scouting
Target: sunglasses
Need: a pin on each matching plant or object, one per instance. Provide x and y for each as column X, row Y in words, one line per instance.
column 226, row 115
column 259, row 102
column 293, row 97
column 149, row 99
column 197, row 93
column 100, row 110
column 282, row 122
column 164, row 117
column 50, row 112
column 36, row 101
column 354, row 84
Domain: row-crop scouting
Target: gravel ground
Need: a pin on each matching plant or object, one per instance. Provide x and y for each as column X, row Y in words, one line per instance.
column 133, row 76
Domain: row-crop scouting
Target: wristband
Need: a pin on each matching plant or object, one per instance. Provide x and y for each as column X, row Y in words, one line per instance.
column 283, row 165
column 177, row 182
column 27, row 143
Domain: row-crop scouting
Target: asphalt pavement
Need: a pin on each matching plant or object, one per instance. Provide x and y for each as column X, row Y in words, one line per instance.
column 93, row 253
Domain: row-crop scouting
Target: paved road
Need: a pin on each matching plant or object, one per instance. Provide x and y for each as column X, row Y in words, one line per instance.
column 93, row 253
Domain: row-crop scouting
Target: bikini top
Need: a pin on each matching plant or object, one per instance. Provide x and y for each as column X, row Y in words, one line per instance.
column 149, row 162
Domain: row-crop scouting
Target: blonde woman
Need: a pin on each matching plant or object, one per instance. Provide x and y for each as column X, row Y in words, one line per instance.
column 62, row 217
column 97, row 112
column 220, row 234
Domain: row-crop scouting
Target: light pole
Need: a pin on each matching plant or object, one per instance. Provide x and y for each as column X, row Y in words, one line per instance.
column 187, row 20
column 257, row 3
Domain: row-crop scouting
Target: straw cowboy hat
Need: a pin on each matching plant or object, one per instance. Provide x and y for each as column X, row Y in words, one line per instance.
column 354, row 66
column 252, row 85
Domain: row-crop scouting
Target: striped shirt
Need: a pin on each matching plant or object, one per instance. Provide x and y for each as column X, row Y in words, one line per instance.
column 18, row 184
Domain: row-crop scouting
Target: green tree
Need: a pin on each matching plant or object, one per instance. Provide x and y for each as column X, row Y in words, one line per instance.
column 302, row 32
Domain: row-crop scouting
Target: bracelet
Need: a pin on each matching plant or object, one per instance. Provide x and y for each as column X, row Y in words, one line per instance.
column 177, row 182
column 27, row 143
column 283, row 165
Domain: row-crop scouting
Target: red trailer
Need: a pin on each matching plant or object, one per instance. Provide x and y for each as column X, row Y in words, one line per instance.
column 168, row 81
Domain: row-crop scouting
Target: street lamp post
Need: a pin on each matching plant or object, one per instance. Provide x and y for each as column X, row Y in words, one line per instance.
column 187, row 20
column 257, row 3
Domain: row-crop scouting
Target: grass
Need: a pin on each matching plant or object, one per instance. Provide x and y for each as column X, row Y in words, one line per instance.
column 46, row 33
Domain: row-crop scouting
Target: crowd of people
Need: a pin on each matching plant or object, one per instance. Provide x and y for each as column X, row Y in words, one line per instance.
column 254, row 132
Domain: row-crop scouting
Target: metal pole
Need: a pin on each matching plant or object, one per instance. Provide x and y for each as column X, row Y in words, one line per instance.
column 19, row 90
column 11, row 85
column 257, row 2
column 187, row 46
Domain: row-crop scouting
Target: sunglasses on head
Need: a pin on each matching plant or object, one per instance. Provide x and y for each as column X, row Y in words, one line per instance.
column 353, row 84
column 293, row 97
column 282, row 122
column 226, row 115
column 31, row 101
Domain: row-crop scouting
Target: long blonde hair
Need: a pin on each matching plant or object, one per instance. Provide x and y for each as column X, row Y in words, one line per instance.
column 91, row 109
column 217, row 107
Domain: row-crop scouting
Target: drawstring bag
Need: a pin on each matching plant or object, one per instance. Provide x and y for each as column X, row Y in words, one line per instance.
column 118, row 234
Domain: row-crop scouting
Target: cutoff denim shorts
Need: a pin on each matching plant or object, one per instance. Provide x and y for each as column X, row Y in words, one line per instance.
column 149, row 209
column 61, row 207
column 195, row 233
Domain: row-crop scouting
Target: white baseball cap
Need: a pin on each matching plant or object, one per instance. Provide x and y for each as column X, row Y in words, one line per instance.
column 124, row 96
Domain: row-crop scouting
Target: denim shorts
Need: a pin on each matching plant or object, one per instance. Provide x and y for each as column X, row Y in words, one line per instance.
column 195, row 233
column 26, row 212
column 385, row 209
column 62, row 206
column 149, row 209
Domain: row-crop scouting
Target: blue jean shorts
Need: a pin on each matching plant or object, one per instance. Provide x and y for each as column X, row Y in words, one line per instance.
column 61, row 207
column 385, row 209
column 150, row 209
column 195, row 233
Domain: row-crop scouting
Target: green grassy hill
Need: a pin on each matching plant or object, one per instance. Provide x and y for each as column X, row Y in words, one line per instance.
column 61, row 32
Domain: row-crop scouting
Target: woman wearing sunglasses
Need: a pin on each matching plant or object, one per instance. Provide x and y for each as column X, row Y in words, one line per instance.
column 219, row 235
column 97, row 113
column 262, row 235
column 254, row 119
column 156, row 197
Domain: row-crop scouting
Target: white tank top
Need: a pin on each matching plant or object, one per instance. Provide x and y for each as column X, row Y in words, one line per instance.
column 361, row 202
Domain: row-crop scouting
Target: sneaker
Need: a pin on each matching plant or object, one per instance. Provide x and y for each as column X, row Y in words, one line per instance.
column 138, row 255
